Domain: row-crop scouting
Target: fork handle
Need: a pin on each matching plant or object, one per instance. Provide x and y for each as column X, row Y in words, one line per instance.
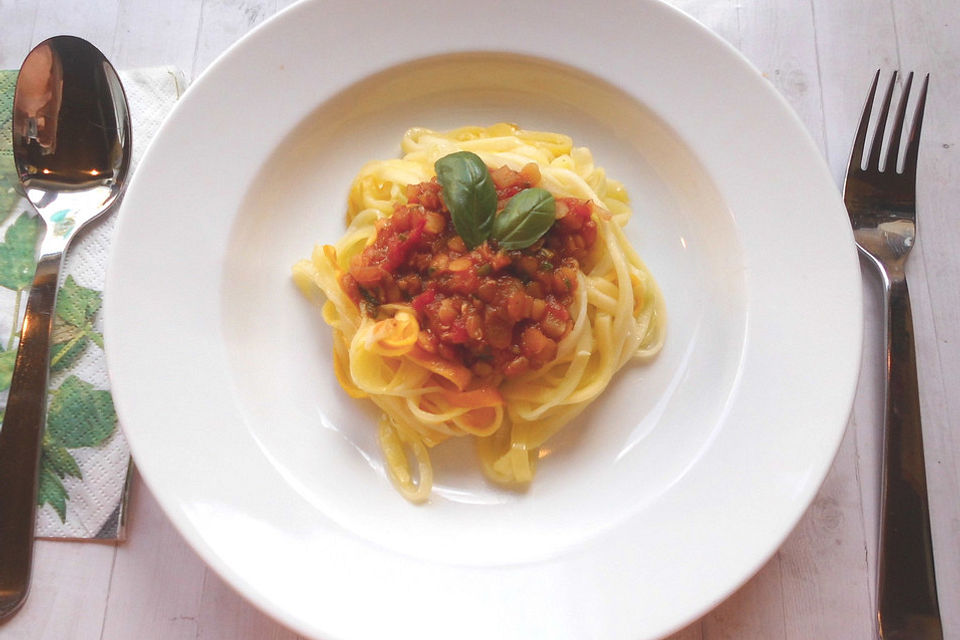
column 907, row 607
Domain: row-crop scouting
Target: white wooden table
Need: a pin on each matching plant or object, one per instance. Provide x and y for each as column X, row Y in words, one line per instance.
column 820, row 54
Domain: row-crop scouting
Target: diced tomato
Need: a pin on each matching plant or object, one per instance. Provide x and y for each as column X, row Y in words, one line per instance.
column 400, row 246
column 421, row 301
column 456, row 334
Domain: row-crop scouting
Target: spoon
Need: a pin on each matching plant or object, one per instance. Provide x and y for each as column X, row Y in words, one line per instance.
column 71, row 147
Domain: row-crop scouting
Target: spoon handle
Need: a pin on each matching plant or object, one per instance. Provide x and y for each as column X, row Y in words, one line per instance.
column 22, row 435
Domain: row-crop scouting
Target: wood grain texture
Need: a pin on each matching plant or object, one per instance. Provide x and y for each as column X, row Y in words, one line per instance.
column 153, row 33
column 17, row 18
column 155, row 573
column 97, row 23
column 927, row 42
column 68, row 593
column 820, row 55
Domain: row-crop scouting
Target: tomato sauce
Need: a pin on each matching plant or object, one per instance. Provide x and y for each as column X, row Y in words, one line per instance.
column 496, row 312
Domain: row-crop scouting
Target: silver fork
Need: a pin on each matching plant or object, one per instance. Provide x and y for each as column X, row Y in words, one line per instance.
column 881, row 202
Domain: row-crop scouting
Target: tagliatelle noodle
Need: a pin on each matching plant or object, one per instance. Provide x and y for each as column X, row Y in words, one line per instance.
column 618, row 315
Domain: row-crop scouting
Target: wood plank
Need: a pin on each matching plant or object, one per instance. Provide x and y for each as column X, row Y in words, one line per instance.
column 153, row 33
column 222, row 23
column 823, row 563
column 94, row 20
column 722, row 17
column 157, row 579
column 846, row 33
column 18, row 18
column 693, row 631
column 779, row 39
column 161, row 590
column 283, row 4
column 933, row 267
column 224, row 615
column 752, row 612
column 68, row 592
column 854, row 40
column 926, row 36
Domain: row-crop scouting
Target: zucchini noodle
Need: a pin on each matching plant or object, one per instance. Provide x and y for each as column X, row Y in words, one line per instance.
column 617, row 315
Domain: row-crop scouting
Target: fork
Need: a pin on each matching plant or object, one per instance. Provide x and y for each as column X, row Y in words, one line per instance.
column 881, row 201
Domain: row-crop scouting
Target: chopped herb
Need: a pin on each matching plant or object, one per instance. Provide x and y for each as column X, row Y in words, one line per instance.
column 369, row 303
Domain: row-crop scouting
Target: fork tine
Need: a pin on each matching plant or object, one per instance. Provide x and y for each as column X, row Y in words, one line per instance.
column 913, row 140
column 874, row 162
column 893, row 150
column 856, row 154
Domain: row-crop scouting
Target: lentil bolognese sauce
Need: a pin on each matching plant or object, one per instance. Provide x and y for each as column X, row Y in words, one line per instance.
column 496, row 312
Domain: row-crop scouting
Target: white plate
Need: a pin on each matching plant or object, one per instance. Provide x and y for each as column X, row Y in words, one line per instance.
column 670, row 492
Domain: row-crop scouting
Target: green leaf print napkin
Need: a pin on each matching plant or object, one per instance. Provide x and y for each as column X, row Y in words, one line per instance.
column 85, row 462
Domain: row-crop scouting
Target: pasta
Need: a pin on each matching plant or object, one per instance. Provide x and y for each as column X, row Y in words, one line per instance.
column 451, row 338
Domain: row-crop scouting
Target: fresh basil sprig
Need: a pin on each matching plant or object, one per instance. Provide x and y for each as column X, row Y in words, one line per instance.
column 471, row 198
column 469, row 194
column 527, row 216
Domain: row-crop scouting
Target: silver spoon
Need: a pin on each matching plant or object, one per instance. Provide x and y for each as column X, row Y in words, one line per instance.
column 71, row 147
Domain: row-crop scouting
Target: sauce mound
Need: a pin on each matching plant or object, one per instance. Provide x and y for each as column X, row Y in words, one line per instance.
column 498, row 313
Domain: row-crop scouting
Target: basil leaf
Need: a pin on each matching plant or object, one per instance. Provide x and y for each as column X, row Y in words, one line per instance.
column 527, row 216
column 469, row 194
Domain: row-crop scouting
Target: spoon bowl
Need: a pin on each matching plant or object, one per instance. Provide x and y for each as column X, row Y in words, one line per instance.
column 71, row 130
column 71, row 146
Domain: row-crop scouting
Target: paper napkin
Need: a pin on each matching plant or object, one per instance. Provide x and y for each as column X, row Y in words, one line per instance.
column 85, row 463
